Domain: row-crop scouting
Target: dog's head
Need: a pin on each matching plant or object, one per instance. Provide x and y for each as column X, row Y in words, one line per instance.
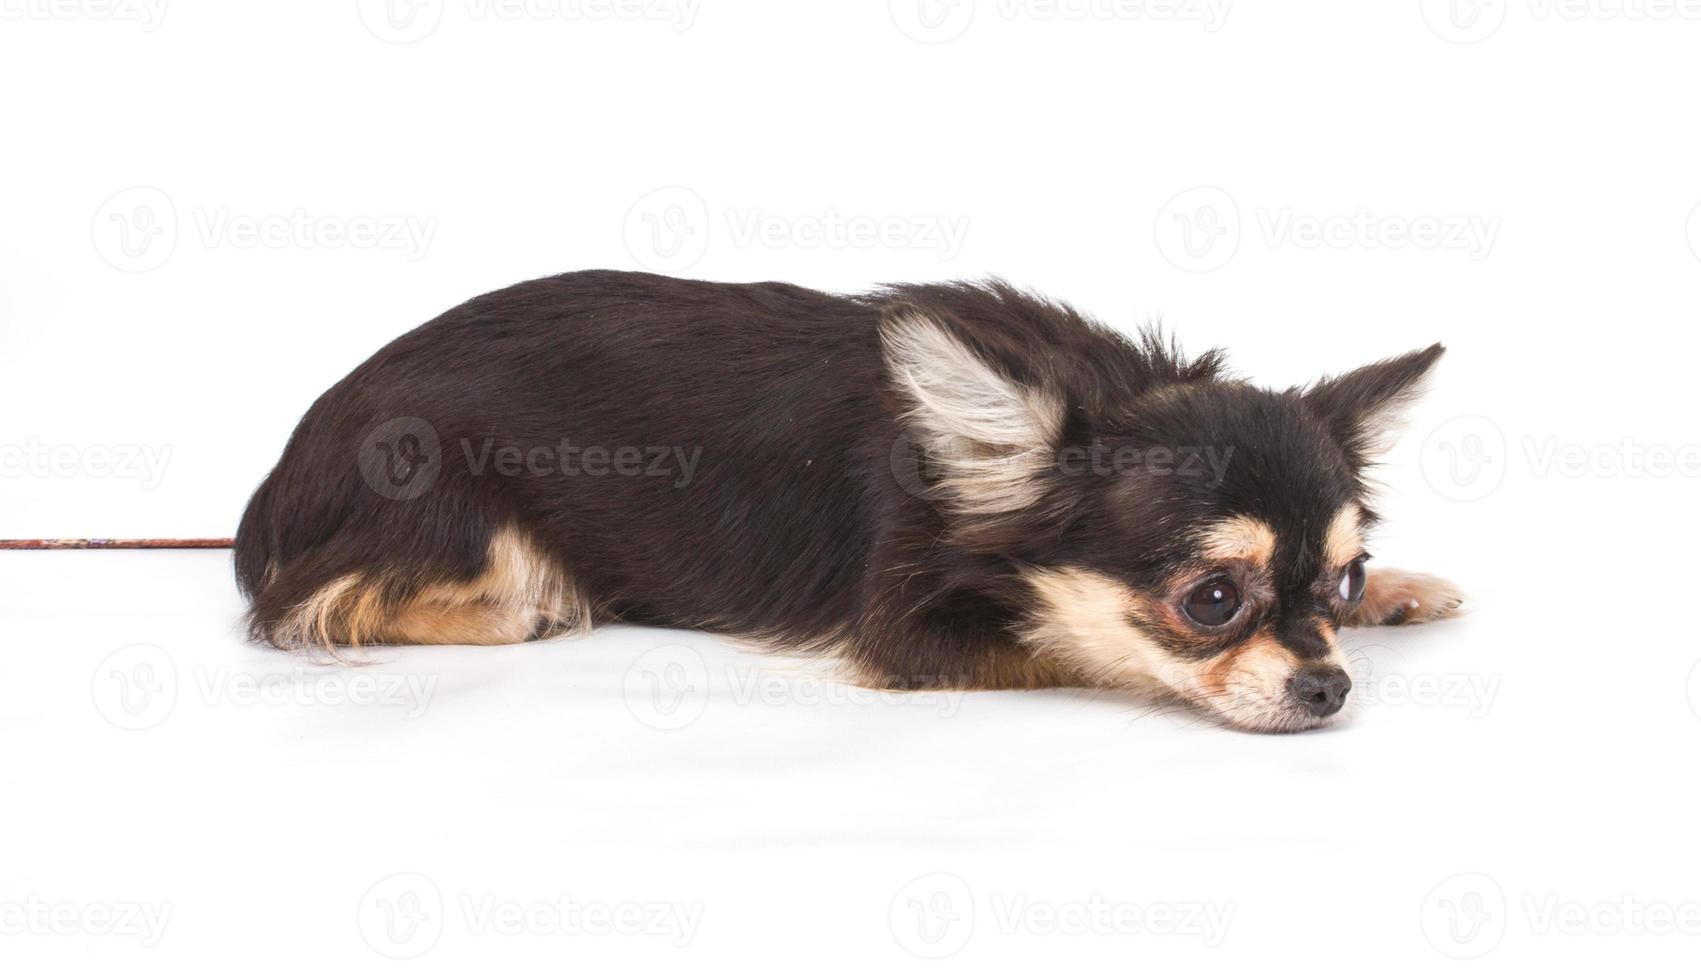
column 1201, row 534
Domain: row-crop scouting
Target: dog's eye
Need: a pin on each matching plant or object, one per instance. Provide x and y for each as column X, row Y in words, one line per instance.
column 1212, row 604
column 1352, row 582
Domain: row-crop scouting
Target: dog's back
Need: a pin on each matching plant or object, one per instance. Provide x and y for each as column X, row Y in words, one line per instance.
column 587, row 446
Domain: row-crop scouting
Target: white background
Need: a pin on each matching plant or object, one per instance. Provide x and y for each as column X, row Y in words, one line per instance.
column 185, row 263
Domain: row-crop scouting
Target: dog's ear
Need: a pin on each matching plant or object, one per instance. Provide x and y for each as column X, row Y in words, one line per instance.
column 990, row 439
column 1363, row 407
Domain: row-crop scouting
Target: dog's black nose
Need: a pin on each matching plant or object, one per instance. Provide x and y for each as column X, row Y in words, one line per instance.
column 1320, row 690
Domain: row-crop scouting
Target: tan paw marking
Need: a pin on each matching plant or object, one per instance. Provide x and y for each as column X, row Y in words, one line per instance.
column 1395, row 598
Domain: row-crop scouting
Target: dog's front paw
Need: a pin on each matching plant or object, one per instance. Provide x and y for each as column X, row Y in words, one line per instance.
column 1395, row 598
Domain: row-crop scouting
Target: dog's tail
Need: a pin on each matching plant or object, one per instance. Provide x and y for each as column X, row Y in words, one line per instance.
column 316, row 575
column 255, row 542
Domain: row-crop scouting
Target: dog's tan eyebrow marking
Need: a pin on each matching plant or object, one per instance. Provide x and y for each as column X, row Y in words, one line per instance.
column 1239, row 538
column 1344, row 540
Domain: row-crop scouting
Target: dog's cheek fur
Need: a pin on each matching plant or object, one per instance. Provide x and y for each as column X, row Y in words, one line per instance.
column 1084, row 619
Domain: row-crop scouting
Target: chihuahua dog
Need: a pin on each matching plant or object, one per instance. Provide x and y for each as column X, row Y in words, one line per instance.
column 946, row 486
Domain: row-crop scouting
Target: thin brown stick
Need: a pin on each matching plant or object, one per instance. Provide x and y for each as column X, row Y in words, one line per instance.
column 102, row 544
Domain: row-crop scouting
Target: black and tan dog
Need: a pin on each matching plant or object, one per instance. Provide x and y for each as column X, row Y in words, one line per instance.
column 946, row 486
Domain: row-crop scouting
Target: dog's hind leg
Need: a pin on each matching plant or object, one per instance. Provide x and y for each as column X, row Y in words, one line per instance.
column 522, row 594
column 519, row 593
